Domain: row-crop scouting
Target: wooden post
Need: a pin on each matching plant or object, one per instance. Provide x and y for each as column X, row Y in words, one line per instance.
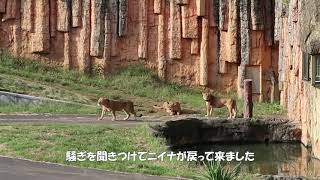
column 247, row 99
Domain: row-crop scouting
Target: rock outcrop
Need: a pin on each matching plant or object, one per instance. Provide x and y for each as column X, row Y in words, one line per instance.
column 194, row 42
column 191, row 131
column 297, row 32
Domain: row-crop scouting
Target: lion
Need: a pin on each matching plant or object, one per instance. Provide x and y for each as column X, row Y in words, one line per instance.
column 113, row 106
column 215, row 102
column 173, row 108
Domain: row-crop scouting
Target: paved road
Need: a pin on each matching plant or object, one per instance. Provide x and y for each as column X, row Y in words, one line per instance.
column 42, row 118
column 17, row 169
column 49, row 118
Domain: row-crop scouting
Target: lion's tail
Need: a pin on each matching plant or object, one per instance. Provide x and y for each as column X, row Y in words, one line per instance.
column 157, row 107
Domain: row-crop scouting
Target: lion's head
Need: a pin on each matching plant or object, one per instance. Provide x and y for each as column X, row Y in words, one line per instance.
column 206, row 96
column 102, row 101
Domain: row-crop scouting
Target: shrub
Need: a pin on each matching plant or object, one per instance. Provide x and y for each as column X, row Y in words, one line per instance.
column 217, row 171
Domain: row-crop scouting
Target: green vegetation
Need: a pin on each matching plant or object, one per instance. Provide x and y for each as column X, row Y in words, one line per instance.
column 50, row 142
column 216, row 171
column 135, row 83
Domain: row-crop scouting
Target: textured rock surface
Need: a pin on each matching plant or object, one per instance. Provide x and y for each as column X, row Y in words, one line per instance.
column 63, row 15
column 113, row 14
column 204, row 53
column 197, row 131
column 233, row 32
column 284, row 178
column 143, row 31
column 97, row 27
column 189, row 21
column 297, row 32
column 223, row 14
column 76, row 13
column 41, row 35
column 201, row 7
column 245, row 42
column 174, row 31
column 3, row 6
column 257, row 14
column 83, row 53
column 162, row 63
column 123, row 18
column 164, row 36
column 27, row 15
column 12, row 10
column 157, row 6
column 53, row 17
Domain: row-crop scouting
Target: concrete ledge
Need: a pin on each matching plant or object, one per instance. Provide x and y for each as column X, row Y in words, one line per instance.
column 15, row 98
column 277, row 177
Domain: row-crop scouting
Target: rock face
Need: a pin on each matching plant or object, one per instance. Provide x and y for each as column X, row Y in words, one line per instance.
column 297, row 32
column 196, row 131
column 284, row 178
column 193, row 42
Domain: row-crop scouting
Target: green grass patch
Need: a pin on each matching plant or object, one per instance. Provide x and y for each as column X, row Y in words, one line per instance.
column 134, row 82
column 50, row 142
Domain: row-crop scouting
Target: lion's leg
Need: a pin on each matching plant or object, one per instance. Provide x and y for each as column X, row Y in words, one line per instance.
column 208, row 110
column 103, row 111
column 128, row 115
column 113, row 115
column 230, row 112
column 134, row 115
column 234, row 111
column 211, row 111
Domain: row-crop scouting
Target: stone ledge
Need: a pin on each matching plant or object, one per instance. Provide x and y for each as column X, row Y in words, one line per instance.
column 15, row 98
column 190, row 131
column 277, row 177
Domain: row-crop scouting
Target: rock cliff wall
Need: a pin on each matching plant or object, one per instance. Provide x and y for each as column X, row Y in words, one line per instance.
column 297, row 30
column 215, row 43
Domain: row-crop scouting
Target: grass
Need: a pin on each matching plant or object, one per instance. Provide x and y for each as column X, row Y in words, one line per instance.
column 134, row 82
column 50, row 142
column 216, row 171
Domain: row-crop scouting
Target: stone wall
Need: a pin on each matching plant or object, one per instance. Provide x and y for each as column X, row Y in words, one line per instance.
column 193, row 42
column 297, row 31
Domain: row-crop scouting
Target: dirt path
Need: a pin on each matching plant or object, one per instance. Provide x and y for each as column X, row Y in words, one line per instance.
column 78, row 119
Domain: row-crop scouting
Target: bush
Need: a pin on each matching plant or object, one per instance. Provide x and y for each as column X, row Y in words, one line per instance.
column 217, row 171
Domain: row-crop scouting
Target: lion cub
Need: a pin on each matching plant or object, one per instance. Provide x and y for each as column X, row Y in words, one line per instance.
column 113, row 106
column 173, row 108
column 215, row 102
